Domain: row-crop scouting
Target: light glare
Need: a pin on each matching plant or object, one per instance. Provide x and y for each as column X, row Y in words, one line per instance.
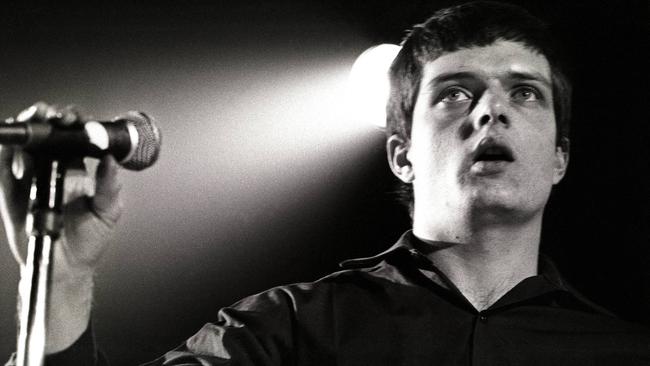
column 369, row 84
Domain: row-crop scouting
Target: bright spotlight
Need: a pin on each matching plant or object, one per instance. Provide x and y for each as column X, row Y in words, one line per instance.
column 369, row 85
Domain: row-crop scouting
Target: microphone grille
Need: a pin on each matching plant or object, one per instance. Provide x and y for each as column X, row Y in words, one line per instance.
column 147, row 150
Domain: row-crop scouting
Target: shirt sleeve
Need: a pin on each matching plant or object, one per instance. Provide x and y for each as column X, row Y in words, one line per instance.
column 255, row 331
column 83, row 351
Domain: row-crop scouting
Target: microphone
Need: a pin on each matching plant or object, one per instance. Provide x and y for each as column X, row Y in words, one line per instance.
column 133, row 139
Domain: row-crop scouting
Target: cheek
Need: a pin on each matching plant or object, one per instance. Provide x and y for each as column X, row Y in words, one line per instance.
column 543, row 164
column 541, row 121
column 539, row 150
column 433, row 142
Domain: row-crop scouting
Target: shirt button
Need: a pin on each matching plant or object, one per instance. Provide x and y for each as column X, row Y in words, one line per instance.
column 482, row 318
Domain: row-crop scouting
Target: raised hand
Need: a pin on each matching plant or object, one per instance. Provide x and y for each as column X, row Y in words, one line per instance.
column 91, row 211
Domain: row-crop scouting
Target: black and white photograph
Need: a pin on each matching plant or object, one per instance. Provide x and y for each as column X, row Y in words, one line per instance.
column 324, row 183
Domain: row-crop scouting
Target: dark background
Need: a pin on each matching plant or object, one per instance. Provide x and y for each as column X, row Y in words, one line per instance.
column 260, row 184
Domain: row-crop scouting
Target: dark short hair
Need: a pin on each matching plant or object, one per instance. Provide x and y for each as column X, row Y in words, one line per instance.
column 474, row 24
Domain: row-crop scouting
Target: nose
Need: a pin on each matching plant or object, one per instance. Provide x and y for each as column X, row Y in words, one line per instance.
column 490, row 109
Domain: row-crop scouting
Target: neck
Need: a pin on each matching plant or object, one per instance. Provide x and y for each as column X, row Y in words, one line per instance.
column 483, row 259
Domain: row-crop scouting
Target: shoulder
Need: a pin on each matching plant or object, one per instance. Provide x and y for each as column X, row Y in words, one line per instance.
column 326, row 289
column 359, row 277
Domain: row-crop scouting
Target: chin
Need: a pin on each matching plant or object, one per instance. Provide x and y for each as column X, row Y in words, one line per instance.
column 501, row 204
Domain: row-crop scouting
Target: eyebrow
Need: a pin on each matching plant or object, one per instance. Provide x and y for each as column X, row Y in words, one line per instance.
column 510, row 75
column 447, row 76
column 529, row 76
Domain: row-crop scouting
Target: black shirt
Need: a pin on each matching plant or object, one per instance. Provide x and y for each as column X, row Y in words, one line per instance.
column 386, row 310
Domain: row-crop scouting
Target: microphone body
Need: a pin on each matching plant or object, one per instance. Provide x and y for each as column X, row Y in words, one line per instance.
column 134, row 139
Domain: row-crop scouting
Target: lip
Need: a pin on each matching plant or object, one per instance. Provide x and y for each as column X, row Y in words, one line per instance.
column 487, row 168
column 491, row 142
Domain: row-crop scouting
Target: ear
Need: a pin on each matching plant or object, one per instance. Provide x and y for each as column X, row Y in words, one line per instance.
column 561, row 160
column 397, row 150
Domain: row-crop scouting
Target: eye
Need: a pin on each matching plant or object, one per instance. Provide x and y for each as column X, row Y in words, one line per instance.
column 455, row 95
column 526, row 94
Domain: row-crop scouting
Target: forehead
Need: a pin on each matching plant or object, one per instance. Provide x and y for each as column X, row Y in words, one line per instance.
column 496, row 60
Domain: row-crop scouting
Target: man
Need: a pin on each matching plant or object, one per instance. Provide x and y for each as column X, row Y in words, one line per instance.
column 478, row 133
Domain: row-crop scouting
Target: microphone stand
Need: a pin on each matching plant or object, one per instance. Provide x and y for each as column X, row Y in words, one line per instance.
column 45, row 203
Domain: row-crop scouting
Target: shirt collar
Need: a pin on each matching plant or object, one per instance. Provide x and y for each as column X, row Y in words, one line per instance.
column 548, row 280
column 404, row 244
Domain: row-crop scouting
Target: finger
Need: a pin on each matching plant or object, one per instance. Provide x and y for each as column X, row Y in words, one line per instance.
column 78, row 183
column 14, row 196
column 106, row 202
column 18, row 165
column 68, row 116
column 41, row 111
column 37, row 111
column 22, row 166
column 15, row 180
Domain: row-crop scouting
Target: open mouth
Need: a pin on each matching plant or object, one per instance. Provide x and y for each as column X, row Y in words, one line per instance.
column 489, row 149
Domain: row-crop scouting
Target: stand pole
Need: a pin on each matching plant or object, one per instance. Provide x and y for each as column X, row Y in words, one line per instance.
column 46, row 198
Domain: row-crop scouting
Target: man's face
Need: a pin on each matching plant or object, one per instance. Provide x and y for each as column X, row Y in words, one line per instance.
column 483, row 134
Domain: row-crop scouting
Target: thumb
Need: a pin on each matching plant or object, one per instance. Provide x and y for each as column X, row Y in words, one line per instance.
column 106, row 203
